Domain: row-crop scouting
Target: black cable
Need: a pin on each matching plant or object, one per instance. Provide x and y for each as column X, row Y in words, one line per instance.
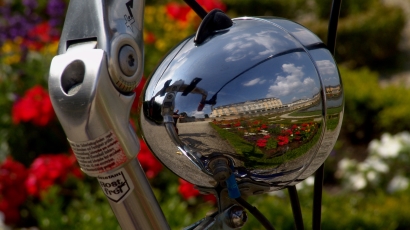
column 296, row 210
column 255, row 212
column 332, row 28
column 318, row 186
column 197, row 8
column 317, row 198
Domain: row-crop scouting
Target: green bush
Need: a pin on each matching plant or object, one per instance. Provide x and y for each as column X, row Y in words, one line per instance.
column 278, row 8
column 371, row 109
column 368, row 38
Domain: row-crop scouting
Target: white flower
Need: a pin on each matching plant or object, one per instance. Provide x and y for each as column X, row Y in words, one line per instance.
column 308, row 182
column 376, row 164
column 346, row 164
column 357, row 181
column 398, row 183
column 372, row 177
column 404, row 137
column 3, row 226
column 387, row 147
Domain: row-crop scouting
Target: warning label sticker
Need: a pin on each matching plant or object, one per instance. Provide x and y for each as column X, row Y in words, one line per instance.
column 116, row 186
column 99, row 155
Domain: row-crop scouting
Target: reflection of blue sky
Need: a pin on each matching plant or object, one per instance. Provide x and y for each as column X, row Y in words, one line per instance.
column 289, row 77
column 327, row 67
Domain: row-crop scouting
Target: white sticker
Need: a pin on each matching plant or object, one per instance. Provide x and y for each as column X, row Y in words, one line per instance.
column 116, row 186
column 99, row 155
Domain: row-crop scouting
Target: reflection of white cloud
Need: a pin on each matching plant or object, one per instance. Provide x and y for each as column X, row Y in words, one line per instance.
column 197, row 114
column 293, row 82
column 265, row 43
column 305, row 36
column 326, row 67
column 254, row 82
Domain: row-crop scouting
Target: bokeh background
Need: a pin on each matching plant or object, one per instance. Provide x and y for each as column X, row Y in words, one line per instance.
column 366, row 176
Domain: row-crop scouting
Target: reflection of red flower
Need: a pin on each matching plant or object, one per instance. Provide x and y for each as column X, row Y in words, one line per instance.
column 261, row 142
column 49, row 169
column 286, row 132
column 34, row 107
column 187, row 189
column 283, row 140
column 12, row 192
column 148, row 162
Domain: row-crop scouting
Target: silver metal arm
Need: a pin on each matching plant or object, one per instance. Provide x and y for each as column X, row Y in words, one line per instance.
column 91, row 86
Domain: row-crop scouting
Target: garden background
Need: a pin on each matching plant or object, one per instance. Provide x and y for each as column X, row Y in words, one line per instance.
column 367, row 174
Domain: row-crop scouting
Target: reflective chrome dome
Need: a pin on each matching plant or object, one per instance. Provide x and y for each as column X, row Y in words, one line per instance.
column 264, row 94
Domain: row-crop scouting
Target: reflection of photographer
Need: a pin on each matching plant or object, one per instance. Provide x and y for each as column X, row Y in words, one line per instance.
column 176, row 116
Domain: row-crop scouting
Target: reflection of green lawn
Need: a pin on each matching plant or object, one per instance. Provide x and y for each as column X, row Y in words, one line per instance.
column 335, row 110
column 254, row 158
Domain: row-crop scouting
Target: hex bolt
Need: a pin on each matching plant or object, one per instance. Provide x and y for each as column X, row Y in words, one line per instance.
column 127, row 58
column 220, row 169
column 237, row 217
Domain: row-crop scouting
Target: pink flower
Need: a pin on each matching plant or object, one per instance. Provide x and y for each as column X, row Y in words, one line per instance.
column 35, row 106
column 149, row 163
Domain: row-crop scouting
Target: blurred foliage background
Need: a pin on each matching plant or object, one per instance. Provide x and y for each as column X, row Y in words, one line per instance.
column 367, row 175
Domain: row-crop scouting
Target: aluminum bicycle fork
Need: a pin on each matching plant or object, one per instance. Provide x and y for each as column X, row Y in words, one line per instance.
column 91, row 87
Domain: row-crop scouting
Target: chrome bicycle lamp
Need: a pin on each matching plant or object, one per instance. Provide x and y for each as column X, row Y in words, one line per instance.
column 259, row 98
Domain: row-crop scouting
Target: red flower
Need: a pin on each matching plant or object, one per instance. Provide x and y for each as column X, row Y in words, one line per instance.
column 149, row 163
column 297, row 133
column 178, row 11
column 210, row 198
column 212, row 4
column 187, row 189
column 264, row 126
column 294, row 126
column 40, row 35
column 12, row 190
column 49, row 169
column 150, row 38
column 35, row 106
column 138, row 91
column 237, row 124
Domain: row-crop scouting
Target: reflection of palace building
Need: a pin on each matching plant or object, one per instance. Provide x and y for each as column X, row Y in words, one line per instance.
column 247, row 107
column 333, row 91
column 267, row 105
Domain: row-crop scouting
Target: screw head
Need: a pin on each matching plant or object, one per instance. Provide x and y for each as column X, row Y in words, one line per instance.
column 127, row 59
